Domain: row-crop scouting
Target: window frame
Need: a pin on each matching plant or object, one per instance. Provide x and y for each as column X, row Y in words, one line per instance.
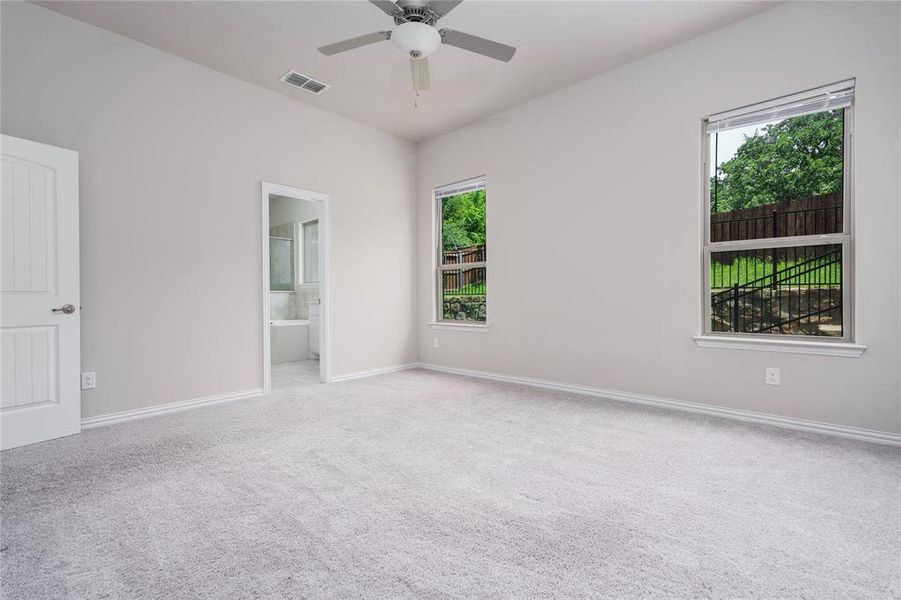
column 845, row 238
column 465, row 185
column 300, row 236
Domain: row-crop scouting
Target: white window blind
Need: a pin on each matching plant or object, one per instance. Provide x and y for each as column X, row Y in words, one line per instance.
column 461, row 187
column 836, row 95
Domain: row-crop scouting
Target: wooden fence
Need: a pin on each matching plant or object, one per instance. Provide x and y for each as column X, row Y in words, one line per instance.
column 815, row 215
column 472, row 278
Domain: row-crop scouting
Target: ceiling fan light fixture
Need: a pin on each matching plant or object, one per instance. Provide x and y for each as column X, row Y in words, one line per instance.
column 416, row 35
column 416, row 40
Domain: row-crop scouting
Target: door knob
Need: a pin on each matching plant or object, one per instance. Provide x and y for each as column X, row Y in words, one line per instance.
column 66, row 309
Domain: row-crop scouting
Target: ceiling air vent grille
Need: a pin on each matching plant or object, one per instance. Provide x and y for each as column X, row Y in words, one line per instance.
column 304, row 82
column 314, row 86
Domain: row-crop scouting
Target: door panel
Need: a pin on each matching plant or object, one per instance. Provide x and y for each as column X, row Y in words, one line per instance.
column 39, row 347
column 29, row 366
column 29, row 221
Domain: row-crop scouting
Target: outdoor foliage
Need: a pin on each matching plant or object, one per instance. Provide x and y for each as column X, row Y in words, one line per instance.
column 464, row 220
column 794, row 158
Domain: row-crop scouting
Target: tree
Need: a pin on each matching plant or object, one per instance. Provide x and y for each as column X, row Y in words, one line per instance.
column 463, row 220
column 794, row 158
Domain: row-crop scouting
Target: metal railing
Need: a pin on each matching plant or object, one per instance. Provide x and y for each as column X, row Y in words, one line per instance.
column 802, row 297
column 464, row 282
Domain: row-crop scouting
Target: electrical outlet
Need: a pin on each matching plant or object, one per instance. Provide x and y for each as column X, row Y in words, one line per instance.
column 88, row 380
column 772, row 376
column 436, row 343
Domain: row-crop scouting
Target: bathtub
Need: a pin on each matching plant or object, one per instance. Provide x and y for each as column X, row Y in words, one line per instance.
column 289, row 340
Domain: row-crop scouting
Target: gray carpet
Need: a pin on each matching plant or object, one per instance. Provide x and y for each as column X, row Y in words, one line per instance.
column 425, row 485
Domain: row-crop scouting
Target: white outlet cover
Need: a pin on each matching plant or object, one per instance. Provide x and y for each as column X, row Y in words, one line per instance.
column 88, row 380
column 436, row 343
column 772, row 376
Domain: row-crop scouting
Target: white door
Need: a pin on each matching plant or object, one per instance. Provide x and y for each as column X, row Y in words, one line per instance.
column 40, row 392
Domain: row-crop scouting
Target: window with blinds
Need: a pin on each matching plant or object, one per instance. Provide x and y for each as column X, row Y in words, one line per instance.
column 461, row 272
column 777, row 206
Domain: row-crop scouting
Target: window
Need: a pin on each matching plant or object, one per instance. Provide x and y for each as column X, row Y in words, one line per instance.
column 461, row 250
column 281, row 264
column 777, row 230
column 309, row 252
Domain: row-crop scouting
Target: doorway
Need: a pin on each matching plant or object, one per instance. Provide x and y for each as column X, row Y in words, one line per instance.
column 295, row 287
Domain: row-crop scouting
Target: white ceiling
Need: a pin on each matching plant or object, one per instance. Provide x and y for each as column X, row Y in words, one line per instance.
column 559, row 43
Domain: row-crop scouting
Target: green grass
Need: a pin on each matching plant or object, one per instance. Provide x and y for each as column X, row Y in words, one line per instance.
column 475, row 289
column 744, row 270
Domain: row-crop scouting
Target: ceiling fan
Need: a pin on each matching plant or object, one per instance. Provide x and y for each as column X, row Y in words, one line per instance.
column 415, row 33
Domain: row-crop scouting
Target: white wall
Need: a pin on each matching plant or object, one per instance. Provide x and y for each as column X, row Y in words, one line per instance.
column 599, row 184
column 172, row 155
column 169, row 148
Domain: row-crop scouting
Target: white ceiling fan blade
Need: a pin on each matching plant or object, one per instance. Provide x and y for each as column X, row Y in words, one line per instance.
column 363, row 40
column 419, row 67
column 442, row 7
column 476, row 44
column 388, row 7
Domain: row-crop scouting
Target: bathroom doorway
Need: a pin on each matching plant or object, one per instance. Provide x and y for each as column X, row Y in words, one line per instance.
column 295, row 287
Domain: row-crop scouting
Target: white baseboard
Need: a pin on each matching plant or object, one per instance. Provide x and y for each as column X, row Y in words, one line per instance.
column 373, row 372
column 131, row 415
column 856, row 433
column 152, row 411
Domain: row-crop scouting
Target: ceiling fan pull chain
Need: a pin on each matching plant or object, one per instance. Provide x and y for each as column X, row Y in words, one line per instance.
column 415, row 85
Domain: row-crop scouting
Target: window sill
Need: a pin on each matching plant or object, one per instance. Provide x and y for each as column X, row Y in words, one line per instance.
column 845, row 349
column 446, row 326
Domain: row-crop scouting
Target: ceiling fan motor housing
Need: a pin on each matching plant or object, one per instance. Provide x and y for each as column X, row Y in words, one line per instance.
column 417, row 40
column 415, row 11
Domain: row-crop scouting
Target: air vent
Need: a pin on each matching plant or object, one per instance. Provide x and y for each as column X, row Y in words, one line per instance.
column 305, row 83
column 314, row 86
